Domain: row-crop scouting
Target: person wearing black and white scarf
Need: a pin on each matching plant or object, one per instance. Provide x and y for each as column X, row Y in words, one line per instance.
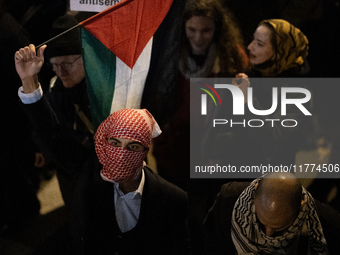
column 282, row 222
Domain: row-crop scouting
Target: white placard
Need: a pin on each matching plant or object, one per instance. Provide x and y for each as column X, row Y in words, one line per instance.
column 91, row 5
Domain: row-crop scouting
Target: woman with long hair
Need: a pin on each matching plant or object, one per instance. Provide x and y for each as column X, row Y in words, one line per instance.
column 211, row 47
column 212, row 44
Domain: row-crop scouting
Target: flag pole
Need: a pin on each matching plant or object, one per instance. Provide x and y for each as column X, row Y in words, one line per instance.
column 55, row 37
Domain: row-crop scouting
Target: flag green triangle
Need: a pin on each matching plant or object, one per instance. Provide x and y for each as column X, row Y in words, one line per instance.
column 100, row 72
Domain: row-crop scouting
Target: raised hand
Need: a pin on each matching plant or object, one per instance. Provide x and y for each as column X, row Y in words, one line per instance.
column 28, row 64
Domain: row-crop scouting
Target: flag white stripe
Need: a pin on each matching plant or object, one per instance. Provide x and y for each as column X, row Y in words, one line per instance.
column 130, row 83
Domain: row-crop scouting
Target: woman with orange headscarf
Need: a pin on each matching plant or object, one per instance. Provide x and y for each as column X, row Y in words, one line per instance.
column 278, row 50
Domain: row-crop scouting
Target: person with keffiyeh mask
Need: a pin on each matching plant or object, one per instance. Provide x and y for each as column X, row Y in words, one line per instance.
column 121, row 206
column 273, row 214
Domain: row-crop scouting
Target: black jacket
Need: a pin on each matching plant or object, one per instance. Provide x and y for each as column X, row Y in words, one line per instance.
column 162, row 225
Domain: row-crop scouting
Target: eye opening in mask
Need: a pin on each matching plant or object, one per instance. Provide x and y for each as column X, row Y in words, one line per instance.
column 128, row 144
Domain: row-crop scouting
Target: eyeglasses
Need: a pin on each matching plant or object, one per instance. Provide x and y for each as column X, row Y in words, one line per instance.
column 67, row 66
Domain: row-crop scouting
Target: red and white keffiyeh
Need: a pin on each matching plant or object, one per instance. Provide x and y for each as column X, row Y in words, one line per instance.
column 120, row 164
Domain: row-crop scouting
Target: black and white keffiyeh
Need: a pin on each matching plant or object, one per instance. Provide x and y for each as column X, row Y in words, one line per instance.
column 248, row 238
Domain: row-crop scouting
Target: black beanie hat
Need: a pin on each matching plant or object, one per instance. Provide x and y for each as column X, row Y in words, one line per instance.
column 67, row 44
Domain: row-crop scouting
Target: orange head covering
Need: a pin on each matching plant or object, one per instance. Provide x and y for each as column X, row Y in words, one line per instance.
column 291, row 47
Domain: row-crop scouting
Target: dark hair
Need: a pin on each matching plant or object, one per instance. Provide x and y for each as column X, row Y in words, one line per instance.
column 227, row 35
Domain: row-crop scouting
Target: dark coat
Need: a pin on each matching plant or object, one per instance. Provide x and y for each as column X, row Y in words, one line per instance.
column 70, row 105
column 162, row 226
column 64, row 102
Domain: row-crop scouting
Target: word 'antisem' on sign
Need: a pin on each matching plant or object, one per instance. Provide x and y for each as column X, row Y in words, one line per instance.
column 100, row 2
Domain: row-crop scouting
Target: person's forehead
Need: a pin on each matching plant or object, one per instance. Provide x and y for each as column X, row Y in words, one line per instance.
column 66, row 58
column 200, row 21
column 263, row 30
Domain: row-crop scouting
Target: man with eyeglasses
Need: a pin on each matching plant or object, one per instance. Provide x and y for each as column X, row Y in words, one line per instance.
column 67, row 93
column 69, row 69
column 120, row 205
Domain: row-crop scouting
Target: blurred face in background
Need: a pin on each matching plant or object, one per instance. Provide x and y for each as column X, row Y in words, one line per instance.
column 69, row 69
column 261, row 48
column 200, row 31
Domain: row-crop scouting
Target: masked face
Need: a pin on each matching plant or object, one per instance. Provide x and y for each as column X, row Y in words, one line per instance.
column 122, row 143
column 122, row 160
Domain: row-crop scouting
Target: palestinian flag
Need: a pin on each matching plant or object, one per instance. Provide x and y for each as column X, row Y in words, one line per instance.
column 117, row 47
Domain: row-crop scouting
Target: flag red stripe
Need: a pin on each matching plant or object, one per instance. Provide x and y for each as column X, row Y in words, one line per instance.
column 105, row 12
column 126, row 27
